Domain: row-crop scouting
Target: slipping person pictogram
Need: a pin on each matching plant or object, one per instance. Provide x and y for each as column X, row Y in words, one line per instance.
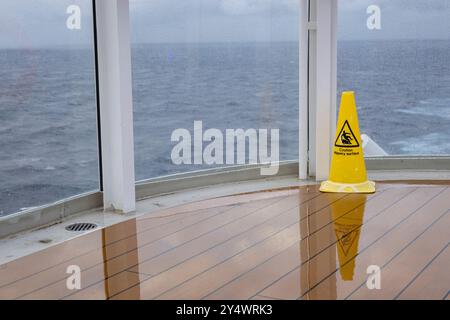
column 346, row 138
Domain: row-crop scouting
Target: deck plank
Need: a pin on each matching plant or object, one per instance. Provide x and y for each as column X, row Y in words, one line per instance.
column 197, row 264
column 392, row 240
column 95, row 257
column 317, row 240
column 433, row 282
column 289, row 243
column 322, row 280
column 407, row 264
column 126, row 254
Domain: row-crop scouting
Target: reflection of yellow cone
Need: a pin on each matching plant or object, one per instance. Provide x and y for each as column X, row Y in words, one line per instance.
column 347, row 229
column 348, row 171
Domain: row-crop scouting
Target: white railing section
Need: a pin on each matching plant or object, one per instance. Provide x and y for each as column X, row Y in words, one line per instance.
column 116, row 104
column 318, row 36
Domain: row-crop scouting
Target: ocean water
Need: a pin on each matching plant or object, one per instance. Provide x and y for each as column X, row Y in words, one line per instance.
column 402, row 92
column 225, row 86
column 48, row 148
column 48, row 135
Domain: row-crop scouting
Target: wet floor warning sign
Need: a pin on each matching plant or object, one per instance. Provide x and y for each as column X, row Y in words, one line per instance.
column 347, row 170
column 346, row 138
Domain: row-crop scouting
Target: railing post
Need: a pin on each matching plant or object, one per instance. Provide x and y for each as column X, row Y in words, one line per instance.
column 322, row 78
column 116, row 105
column 303, row 89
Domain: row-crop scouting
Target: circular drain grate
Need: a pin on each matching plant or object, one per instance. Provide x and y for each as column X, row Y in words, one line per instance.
column 82, row 226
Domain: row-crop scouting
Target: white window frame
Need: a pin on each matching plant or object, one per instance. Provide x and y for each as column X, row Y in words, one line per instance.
column 115, row 100
column 318, row 82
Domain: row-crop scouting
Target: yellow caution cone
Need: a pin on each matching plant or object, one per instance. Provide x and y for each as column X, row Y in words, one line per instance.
column 348, row 170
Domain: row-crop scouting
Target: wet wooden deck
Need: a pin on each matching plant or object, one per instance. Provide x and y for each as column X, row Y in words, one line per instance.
column 284, row 244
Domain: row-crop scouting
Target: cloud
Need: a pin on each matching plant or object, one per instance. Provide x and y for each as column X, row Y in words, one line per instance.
column 248, row 7
column 214, row 20
column 236, row 7
column 173, row 8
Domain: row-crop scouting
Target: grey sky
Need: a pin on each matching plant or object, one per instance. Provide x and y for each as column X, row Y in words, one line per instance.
column 400, row 19
column 214, row 20
column 40, row 23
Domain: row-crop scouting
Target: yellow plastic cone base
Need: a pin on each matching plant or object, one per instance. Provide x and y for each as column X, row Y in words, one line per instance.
column 335, row 187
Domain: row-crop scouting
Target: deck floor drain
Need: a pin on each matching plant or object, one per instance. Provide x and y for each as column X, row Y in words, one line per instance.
column 81, row 226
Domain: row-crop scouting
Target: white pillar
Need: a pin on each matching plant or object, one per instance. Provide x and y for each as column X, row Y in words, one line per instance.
column 116, row 105
column 322, row 80
column 303, row 89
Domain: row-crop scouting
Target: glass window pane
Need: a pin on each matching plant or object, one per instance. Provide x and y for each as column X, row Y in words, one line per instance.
column 396, row 56
column 229, row 64
column 48, row 134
